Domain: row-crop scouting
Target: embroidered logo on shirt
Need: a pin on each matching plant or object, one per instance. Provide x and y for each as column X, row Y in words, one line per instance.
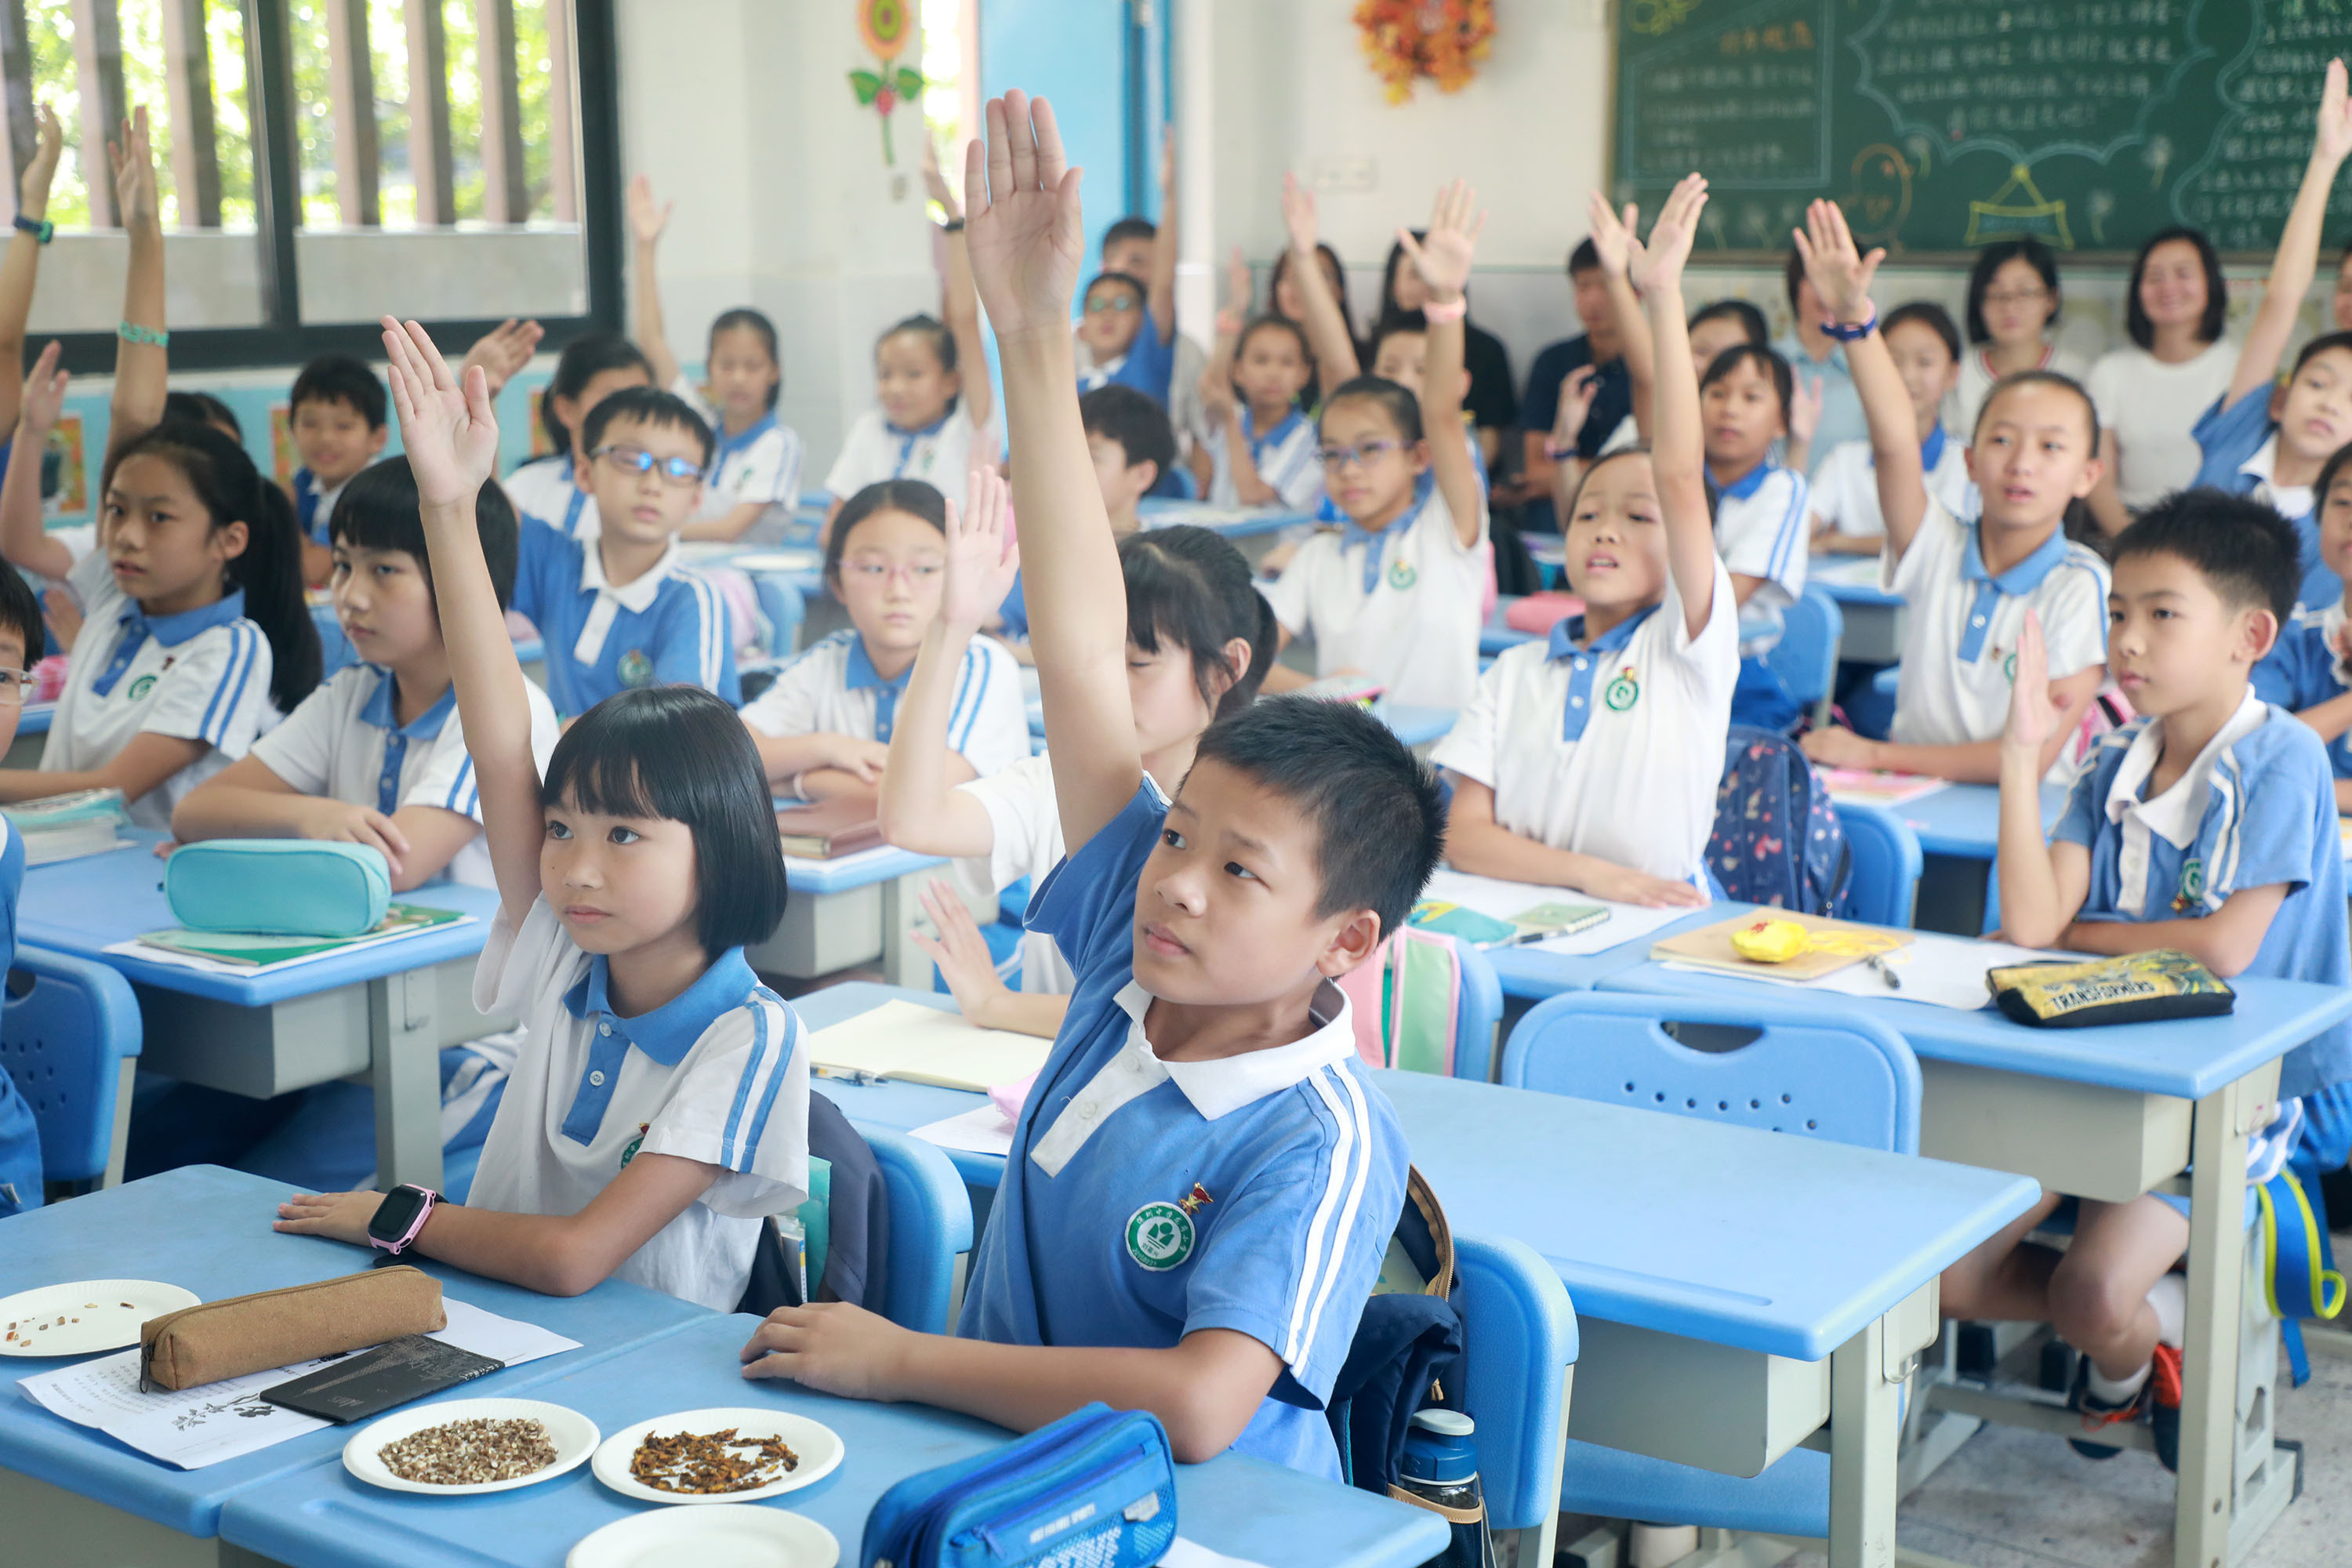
column 2193, row 884
column 636, row 670
column 1623, row 692
column 2008, row 667
column 1401, row 575
column 630, row 1152
column 142, row 687
column 1159, row 1236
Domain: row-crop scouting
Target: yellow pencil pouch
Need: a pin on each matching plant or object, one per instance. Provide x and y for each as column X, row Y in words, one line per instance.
column 2137, row 988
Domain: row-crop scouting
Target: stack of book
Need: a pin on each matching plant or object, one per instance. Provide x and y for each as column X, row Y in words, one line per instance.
column 66, row 826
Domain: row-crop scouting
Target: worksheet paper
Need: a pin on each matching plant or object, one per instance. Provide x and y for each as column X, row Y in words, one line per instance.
column 203, row 965
column 225, row 1420
column 1941, row 971
column 1493, row 896
column 981, row 1130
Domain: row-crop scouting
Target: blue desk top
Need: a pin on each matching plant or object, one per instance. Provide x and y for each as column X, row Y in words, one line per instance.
column 207, row 1229
column 1964, row 819
column 1416, row 726
column 1532, row 975
column 862, row 869
column 1234, row 523
column 322, row 1518
column 1496, row 633
column 35, row 718
column 1760, row 1240
column 80, row 906
column 1831, row 571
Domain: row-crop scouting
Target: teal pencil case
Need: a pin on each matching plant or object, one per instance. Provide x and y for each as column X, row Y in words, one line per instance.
column 277, row 887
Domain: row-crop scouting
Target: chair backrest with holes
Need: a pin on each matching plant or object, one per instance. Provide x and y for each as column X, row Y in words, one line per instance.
column 68, row 1040
column 1818, row 1070
column 1885, row 887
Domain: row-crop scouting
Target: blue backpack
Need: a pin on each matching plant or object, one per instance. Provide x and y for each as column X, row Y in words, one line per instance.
column 1777, row 838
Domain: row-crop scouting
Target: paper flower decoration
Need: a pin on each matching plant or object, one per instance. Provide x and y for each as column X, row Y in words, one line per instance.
column 887, row 29
column 1441, row 39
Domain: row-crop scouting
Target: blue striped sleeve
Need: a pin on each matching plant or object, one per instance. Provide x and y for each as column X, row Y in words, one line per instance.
column 245, row 644
column 971, row 690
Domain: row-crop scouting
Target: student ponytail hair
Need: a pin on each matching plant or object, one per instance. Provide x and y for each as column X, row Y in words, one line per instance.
column 1191, row 588
column 581, row 362
column 269, row 568
column 745, row 318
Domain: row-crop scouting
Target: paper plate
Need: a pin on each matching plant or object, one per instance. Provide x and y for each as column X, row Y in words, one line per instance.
column 575, row 1436
column 726, row 1537
column 99, row 1315
column 818, row 1446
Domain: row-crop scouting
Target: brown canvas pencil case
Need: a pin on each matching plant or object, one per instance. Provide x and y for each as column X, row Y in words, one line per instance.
column 229, row 1338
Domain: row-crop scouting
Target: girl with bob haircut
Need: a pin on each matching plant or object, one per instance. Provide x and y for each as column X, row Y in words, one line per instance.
column 659, row 1107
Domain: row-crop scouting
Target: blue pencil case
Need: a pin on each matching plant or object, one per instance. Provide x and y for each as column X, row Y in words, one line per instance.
column 277, row 887
column 1098, row 1487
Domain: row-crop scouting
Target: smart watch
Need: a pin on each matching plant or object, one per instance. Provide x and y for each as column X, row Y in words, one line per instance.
column 38, row 228
column 400, row 1217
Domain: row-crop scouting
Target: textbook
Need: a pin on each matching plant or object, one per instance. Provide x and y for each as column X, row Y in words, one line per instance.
column 914, row 1044
column 261, row 952
column 1539, row 923
column 1869, row 786
column 67, row 826
column 830, row 828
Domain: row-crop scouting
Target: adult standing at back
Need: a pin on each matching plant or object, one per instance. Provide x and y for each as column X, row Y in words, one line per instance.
column 1613, row 388
column 2150, row 394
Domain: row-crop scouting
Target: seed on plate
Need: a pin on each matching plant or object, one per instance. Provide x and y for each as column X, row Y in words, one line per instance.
column 127, row 1304
column 469, row 1453
column 705, row 1464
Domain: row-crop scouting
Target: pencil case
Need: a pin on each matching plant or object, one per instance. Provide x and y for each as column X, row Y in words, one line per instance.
column 229, row 1338
column 277, row 887
column 2141, row 987
column 1098, row 1487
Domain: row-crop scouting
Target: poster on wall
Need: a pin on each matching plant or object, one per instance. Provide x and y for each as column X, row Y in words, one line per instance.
column 283, row 459
column 65, row 473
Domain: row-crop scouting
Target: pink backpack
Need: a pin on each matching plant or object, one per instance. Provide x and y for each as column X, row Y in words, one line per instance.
column 1404, row 1001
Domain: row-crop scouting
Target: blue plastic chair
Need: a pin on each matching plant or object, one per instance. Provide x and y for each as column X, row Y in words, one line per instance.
column 931, row 1223
column 1517, row 1323
column 68, row 1041
column 1816, row 1069
column 782, row 604
column 1805, row 659
column 1882, row 881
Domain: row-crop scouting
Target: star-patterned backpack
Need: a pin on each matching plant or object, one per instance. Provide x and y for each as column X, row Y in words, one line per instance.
column 1777, row 838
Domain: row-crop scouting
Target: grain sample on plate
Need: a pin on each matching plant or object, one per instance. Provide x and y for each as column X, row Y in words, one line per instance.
column 707, row 1464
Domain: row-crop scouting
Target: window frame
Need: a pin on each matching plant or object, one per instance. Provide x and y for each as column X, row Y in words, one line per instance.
column 282, row 337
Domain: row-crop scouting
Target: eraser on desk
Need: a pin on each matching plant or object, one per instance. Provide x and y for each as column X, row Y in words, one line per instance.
column 244, row 1334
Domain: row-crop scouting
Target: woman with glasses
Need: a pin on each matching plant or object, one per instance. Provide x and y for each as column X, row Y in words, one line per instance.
column 2013, row 308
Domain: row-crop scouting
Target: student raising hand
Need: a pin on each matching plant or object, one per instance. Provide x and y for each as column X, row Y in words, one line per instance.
column 2034, row 715
column 1442, row 259
column 448, row 430
column 1027, row 239
column 969, row 968
column 982, row 559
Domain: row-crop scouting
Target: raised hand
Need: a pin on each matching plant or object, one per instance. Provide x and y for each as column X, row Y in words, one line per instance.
column 935, row 182
column 2032, row 717
column 1612, row 235
column 961, row 953
column 1658, row 263
column 1167, row 158
column 502, row 350
column 647, row 218
column 1841, row 274
column 134, row 173
column 980, row 559
column 32, row 190
column 450, row 433
column 1575, row 396
column 1805, row 408
column 1025, row 235
column 2334, row 138
column 1442, row 259
column 1297, row 215
column 45, row 392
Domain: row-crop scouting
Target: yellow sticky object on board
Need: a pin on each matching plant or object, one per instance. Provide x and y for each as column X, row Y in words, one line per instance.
column 1770, row 941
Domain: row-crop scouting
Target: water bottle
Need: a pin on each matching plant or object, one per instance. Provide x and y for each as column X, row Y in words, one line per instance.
column 1441, row 1473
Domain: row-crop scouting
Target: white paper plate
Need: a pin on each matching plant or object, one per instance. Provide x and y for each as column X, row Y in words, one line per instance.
column 818, row 1446
column 778, row 560
column 99, row 1315
column 575, row 1436
column 725, row 1537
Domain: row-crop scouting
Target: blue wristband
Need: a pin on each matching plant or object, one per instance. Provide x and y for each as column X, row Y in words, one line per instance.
column 1846, row 335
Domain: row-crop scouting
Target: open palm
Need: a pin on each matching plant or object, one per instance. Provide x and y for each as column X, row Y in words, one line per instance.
column 1443, row 257
column 980, row 564
column 2334, row 137
column 1025, row 234
column 447, row 429
column 2032, row 717
column 1839, row 272
column 1659, row 262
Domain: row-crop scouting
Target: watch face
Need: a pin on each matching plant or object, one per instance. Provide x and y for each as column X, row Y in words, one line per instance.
column 395, row 1214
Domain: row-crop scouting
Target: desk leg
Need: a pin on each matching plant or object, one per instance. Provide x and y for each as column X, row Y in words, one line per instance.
column 904, row 963
column 2217, row 1241
column 1865, row 1443
column 404, row 1066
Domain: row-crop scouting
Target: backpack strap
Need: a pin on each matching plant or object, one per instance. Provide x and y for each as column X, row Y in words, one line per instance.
column 1365, row 988
column 2299, row 1275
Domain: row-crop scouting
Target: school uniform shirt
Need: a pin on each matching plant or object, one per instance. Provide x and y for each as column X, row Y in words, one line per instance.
column 1026, row 820
column 941, row 454
column 1285, row 458
column 2303, row 670
column 1959, row 645
column 762, row 463
column 669, row 627
column 20, row 1135
column 2152, row 407
column 1841, row 416
column 1148, row 366
column 1612, row 747
column 718, row 1074
column 2240, row 443
column 201, row 675
column 1145, row 1200
column 314, row 505
column 1965, row 400
column 1846, row 487
column 345, row 741
column 1183, row 384
column 831, row 687
column 1760, row 530
column 2256, row 807
column 543, row 489
column 1402, row 605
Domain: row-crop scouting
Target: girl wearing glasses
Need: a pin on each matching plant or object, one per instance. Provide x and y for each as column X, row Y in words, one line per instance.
column 823, row 727
column 2012, row 306
column 1395, row 595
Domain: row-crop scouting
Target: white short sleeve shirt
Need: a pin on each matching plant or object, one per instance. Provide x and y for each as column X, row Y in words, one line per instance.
column 1965, row 400
column 1027, row 822
column 1845, row 486
column 543, row 489
column 1959, row 645
column 1611, row 748
column 1403, row 606
column 2152, row 407
column 941, row 454
column 344, row 741
column 831, row 687
column 201, row 675
column 1285, row 458
column 718, row 1074
column 759, row 464
column 1760, row 530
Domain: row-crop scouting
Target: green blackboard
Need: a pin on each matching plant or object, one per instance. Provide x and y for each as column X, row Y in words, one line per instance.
column 1940, row 125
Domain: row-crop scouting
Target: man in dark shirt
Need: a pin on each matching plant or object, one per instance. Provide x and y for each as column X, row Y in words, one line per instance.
column 1612, row 399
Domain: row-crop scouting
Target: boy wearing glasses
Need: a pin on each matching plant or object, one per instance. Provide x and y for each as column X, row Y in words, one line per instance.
column 620, row 610
column 1128, row 323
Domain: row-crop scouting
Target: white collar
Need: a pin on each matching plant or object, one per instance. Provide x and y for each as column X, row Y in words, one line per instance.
column 2176, row 815
column 1227, row 1084
column 640, row 593
column 2264, row 463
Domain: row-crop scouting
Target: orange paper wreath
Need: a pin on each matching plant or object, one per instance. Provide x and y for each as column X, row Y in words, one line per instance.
column 1441, row 39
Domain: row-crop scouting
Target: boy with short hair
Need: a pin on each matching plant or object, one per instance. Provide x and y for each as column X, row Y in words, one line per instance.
column 1201, row 1181
column 1129, row 327
column 1133, row 443
column 621, row 610
column 1126, row 246
column 21, row 640
column 2207, row 824
column 337, row 417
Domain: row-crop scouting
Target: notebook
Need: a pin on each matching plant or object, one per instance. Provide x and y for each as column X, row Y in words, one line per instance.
column 830, row 828
column 914, row 1044
column 247, row 950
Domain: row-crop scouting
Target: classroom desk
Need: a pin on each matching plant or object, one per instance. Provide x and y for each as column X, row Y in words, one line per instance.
column 384, row 1010
column 2111, row 1113
column 1734, row 1287
column 73, row 1495
column 1419, row 727
column 1531, row 975
column 1253, row 530
column 850, row 911
column 1496, row 633
column 1874, row 617
column 1959, row 830
column 322, row 1518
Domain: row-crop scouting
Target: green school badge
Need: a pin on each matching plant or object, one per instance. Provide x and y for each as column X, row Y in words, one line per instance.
column 142, row 687
column 1159, row 1236
column 1623, row 692
column 2192, row 885
column 1401, row 575
column 636, row 670
column 2008, row 667
column 630, row 1152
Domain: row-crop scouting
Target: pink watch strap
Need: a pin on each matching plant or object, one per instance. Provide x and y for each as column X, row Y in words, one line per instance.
column 415, row 1225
